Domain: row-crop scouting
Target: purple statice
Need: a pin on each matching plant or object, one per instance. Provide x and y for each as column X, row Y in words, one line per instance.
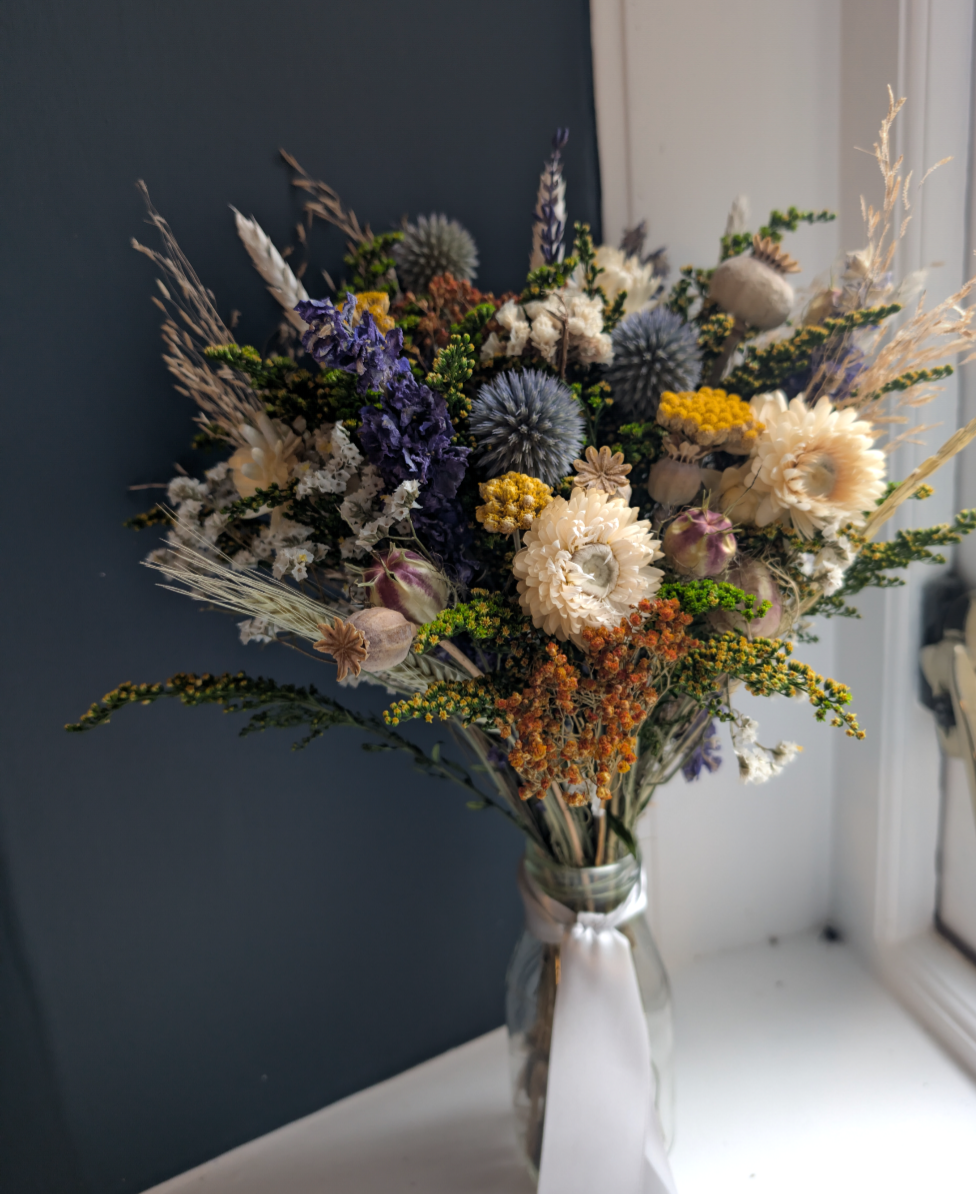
column 706, row 755
column 362, row 350
column 831, row 372
column 408, row 438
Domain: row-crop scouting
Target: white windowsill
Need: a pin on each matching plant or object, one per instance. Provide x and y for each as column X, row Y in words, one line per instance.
column 797, row 1071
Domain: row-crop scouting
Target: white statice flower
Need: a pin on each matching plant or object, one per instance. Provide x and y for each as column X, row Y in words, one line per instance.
column 186, row 489
column 580, row 316
column 511, row 317
column 813, row 466
column 359, row 504
column 243, row 560
column 623, row 273
column 341, row 456
column 257, row 630
column 492, row 347
column 585, row 562
column 827, row 566
column 758, row 763
column 295, row 561
column 218, row 473
column 395, row 510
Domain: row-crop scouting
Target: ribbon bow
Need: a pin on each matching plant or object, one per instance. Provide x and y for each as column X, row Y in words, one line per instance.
column 602, row 1133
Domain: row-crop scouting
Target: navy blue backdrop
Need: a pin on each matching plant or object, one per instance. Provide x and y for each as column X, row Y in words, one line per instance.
column 203, row 937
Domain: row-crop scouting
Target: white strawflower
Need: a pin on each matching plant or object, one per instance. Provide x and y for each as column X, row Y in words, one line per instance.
column 814, row 465
column 620, row 273
column 586, row 562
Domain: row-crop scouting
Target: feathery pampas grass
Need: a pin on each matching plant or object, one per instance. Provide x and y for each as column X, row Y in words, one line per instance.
column 191, row 325
column 326, row 204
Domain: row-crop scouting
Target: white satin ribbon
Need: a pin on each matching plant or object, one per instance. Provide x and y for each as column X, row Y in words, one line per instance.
column 602, row 1134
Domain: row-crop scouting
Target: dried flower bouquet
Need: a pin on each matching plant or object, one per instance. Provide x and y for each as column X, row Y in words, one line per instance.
column 568, row 521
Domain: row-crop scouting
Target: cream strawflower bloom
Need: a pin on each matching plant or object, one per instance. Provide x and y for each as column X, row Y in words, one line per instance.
column 586, row 562
column 621, row 272
column 814, row 465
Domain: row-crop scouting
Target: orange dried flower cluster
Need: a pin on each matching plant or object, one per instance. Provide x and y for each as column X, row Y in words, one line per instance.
column 446, row 303
column 577, row 726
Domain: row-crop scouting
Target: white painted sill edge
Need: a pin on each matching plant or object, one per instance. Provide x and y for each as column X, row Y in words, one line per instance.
column 938, row 985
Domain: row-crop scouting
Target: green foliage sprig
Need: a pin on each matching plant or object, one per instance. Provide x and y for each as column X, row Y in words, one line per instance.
column 586, row 255
column 281, row 707
column 157, row 516
column 913, row 377
column 875, row 560
column 765, row 668
column 697, row 597
column 779, row 222
column 372, row 265
column 289, row 392
column 272, row 497
column 691, row 288
column 454, row 365
column 547, row 278
column 767, row 368
column 485, row 616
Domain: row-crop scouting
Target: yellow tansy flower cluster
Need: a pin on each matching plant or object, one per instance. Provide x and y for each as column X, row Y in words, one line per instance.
column 765, row 668
column 511, row 503
column 377, row 303
column 710, row 417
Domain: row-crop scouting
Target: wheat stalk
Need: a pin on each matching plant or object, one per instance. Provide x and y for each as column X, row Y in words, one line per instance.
column 282, row 282
column 244, row 591
column 955, row 443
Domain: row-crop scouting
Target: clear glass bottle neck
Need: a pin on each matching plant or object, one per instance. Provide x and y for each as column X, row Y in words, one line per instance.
column 583, row 889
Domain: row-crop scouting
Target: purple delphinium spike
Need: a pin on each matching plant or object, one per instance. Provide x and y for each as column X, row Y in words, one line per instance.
column 408, row 438
column 362, row 350
column 549, row 217
column 707, row 754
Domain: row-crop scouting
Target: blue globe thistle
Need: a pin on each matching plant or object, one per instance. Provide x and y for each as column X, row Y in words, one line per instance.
column 433, row 246
column 527, row 422
column 653, row 351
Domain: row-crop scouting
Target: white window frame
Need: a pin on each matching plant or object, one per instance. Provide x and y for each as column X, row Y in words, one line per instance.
column 887, row 789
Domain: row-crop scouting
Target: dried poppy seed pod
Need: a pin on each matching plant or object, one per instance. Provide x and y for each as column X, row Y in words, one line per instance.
column 388, row 636
column 700, row 543
column 753, row 287
column 752, row 576
column 674, row 482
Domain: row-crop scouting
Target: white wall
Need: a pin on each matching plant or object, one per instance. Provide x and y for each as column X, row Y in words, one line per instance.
column 698, row 101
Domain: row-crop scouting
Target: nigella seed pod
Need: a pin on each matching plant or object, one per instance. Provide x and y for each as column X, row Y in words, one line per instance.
column 700, row 543
column 404, row 581
column 388, row 636
column 674, row 482
column 752, row 576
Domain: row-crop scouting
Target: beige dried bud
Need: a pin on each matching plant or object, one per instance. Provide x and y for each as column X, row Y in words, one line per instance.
column 753, row 287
